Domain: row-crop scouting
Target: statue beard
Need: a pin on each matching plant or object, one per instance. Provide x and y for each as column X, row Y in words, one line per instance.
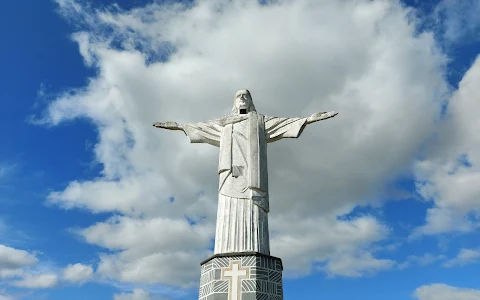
column 242, row 110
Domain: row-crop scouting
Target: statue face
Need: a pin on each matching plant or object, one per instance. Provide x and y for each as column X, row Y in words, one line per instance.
column 242, row 100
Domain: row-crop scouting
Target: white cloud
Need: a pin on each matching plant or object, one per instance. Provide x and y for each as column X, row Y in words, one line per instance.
column 21, row 269
column 423, row 260
column 11, row 258
column 426, row 259
column 361, row 58
column 464, row 256
column 4, row 296
column 8, row 273
column 458, row 21
column 15, row 269
column 440, row 291
column 331, row 240
column 77, row 273
column 151, row 250
column 450, row 176
column 357, row 265
column 40, row 281
column 137, row 294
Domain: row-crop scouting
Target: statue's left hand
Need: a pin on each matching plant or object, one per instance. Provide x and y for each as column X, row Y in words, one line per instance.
column 168, row 125
column 321, row 116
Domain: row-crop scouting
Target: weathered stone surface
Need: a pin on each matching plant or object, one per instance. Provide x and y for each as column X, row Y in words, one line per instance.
column 242, row 217
column 242, row 267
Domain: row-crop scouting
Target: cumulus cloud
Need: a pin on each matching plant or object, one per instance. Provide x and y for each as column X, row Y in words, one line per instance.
column 449, row 177
column 150, row 250
column 356, row 265
column 22, row 269
column 440, row 291
column 178, row 62
column 37, row 281
column 11, row 258
column 16, row 269
column 77, row 273
column 339, row 241
column 464, row 256
column 136, row 294
column 9, row 273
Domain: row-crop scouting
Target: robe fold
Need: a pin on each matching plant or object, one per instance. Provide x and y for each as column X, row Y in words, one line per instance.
column 242, row 217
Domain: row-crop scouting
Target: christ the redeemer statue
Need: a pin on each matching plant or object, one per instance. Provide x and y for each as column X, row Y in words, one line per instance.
column 243, row 206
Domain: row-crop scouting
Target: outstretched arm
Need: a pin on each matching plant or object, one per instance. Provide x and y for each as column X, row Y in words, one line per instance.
column 169, row 125
column 203, row 132
column 279, row 128
column 321, row 116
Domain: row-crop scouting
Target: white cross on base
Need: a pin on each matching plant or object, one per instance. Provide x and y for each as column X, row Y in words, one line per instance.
column 234, row 274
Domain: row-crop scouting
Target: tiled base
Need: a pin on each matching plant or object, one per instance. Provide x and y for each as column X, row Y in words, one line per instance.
column 241, row 276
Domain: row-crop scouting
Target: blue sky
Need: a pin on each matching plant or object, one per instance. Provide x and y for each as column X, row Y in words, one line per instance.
column 95, row 204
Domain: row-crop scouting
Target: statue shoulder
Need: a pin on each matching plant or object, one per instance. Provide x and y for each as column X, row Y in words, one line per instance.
column 230, row 119
column 219, row 121
column 268, row 118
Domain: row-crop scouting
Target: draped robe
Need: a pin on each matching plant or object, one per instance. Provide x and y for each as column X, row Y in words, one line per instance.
column 243, row 200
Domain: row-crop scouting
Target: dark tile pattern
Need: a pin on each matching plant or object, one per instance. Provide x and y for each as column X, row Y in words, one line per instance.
column 264, row 281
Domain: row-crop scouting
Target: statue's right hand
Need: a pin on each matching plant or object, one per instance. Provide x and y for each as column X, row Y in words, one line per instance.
column 167, row 125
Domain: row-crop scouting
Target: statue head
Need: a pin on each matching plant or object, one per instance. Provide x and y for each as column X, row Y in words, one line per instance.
column 242, row 102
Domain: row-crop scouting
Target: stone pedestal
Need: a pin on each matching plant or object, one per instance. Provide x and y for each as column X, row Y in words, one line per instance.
column 241, row 276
